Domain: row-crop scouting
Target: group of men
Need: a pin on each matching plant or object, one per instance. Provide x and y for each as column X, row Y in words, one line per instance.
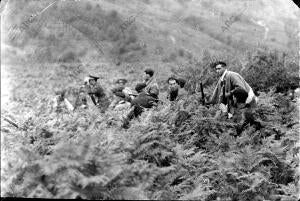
column 233, row 94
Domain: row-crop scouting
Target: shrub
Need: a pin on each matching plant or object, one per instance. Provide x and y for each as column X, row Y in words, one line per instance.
column 67, row 57
column 88, row 6
column 267, row 70
column 181, row 52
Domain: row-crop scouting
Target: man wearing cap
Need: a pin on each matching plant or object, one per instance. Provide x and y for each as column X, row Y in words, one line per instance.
column 96, row 93
column 238, row 96
column 139, row 104
column 151, row 84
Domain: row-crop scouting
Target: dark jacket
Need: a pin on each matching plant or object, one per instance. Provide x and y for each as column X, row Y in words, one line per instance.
column 234, row 81
column 177, row 95
column 118, row 91
column 144, row 100
column 152, row 87
column 97, row 91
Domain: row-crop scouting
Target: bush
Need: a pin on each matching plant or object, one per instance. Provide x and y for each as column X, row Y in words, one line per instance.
column 68, row 57
column 181, row 52
column 267, row 70
column 88, row 6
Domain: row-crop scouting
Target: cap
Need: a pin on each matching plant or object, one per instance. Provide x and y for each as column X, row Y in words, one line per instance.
column 181, row 82
column 219, row 62
column 121, row 80
column 93, row 77
column 149, row 71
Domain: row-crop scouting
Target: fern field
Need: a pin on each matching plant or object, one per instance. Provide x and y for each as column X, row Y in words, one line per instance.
column 173, row 151
column 89, row 156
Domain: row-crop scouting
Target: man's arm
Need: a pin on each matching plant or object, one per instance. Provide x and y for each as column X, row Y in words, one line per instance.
column 69, row 106
column 237, row 83
column 215, row 96
column 153, row 90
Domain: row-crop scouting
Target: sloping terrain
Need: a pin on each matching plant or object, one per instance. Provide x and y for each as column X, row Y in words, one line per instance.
column 163, row 155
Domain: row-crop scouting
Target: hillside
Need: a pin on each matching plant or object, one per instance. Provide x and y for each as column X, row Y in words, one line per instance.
column 165, row 154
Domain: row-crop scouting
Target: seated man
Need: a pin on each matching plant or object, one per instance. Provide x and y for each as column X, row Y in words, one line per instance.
column 96, row 92
column 139, row 103
column 81, row 99
column 177, row 94
column 123, row 95
column 61, row 103
column 151, row 84
column 60, row 106
column 176, row 90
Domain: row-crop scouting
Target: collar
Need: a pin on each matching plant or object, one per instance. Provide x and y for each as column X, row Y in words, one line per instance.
column 224, row 74
column 149, row 81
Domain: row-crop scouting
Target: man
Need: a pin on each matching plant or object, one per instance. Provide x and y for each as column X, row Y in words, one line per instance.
column 233, row 94
column 176, row 89
column 96, row 92
column 123, row 95
column 177, row 94
column 81, row 100
column 60, row 105
column 60, row 102
column 139, row 104
column 151, row 84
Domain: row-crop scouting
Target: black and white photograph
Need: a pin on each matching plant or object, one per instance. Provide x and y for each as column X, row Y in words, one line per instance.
column 150, row 100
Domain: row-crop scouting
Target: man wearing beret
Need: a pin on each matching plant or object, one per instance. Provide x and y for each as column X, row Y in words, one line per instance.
column 238, row 94
column 96, row 92
column 151, row 85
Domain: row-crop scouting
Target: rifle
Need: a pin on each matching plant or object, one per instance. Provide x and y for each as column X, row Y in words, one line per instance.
column 224, row 100
column 93, row 99
column 135, row 95
column 12, row 123
column 202, row 93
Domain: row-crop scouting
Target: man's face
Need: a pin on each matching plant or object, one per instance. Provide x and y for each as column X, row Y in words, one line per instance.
column 220, row 69
column 81, row 94
column 120, row 84
column 146, row 76
column 92, row 82
column 173, row 85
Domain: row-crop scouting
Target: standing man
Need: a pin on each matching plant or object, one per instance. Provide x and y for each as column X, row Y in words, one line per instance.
column 96, row 92
column 151, row 84
column 234, row 95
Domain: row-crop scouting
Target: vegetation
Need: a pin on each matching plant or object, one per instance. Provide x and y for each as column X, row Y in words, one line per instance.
column 166, row 154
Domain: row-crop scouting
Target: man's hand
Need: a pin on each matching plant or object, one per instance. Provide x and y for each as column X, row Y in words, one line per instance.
column 201, row 100
column 228, row 94
column 247, row 105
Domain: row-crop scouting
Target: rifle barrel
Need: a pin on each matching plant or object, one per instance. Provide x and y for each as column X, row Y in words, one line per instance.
column 11, row 122
column 202, row 93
